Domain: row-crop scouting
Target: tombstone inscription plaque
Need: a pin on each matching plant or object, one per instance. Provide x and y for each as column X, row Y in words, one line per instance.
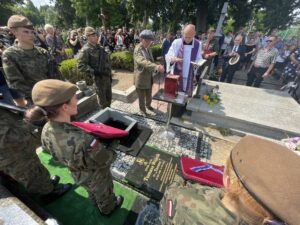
column 153, row 171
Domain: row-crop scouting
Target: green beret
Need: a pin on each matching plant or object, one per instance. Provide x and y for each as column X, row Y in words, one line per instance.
column 270, row 174
column 52, row 92
column 19, row 21
column 89, row 31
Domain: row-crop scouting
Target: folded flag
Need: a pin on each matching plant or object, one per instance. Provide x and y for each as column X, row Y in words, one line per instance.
column 101, row 130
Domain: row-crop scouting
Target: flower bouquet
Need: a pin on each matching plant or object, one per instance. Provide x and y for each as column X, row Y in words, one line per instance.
column 292, row 144
column 211, row 97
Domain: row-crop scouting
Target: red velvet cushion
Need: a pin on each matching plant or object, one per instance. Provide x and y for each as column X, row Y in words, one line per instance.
column 101, row 130
column 207, row 177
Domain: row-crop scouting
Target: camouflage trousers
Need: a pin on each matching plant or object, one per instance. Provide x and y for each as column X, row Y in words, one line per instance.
column 29, row 171
column 100, row 190
column 18, row 157
column 102, row 85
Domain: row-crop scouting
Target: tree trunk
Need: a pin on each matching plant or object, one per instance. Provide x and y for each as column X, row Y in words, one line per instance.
column 145, row 19
column 86, row 20
column 201, row 16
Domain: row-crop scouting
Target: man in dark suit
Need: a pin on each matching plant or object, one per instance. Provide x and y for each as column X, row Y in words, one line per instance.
column 236, row 49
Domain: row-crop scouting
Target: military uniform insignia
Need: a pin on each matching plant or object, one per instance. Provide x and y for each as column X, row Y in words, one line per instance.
column 170, row 208
column 6, row 60
column 94, row 143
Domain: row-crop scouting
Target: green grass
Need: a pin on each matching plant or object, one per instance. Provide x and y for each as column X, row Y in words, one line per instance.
column 75, row 208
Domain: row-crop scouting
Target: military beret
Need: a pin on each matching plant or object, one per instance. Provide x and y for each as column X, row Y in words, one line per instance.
column 270, row 174
column 89, row 31
column 147, row 35
column 19, row 21
column 52, row 92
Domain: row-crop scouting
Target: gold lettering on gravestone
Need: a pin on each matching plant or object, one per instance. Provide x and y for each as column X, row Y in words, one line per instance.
column 158, row 169
column 151, row 166
column 168, row 174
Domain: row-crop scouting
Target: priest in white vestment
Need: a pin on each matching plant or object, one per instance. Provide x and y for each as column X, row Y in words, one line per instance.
column 179, row 57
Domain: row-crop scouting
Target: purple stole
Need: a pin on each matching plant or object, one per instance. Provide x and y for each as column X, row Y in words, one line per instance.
column 178, row 68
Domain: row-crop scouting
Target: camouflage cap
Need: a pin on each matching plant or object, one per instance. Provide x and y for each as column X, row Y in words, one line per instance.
column 147, row 35
column 52, row 92
column 19, row 21
column 270, row 173
column 89, row 31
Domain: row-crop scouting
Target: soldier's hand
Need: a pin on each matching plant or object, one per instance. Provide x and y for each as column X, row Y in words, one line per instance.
column 160, row 68
column 21, row 102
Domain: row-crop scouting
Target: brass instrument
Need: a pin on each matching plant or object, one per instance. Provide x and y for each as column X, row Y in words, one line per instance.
column 234, row 59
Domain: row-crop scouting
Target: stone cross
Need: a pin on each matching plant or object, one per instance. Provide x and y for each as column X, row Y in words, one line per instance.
column 221, row 20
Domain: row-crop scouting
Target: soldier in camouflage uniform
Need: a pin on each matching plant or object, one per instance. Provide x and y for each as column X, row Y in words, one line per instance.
column 24, row 64
column 93, row 60
column 87, row 159
column 259, row 188
column 19, row 160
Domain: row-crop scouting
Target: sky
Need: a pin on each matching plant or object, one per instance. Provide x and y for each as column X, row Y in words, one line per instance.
column 38, row 3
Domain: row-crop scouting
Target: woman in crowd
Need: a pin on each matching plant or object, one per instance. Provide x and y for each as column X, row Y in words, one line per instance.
column 289, row 73
column 54, row 42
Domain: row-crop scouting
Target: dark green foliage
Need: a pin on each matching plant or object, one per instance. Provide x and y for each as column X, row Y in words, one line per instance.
column 156, row 51
column 122, row 60
column 68, row 69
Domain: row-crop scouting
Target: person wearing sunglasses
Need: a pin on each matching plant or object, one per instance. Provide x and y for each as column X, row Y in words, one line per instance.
column 263, row 63
column 24, row 64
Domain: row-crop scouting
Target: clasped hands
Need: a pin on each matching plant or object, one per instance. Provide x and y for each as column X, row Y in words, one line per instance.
column 160, row 68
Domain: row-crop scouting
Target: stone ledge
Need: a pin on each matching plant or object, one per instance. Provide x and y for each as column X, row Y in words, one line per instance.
column 128, row 95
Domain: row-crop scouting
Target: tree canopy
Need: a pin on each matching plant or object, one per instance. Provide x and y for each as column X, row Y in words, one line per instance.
column 164, row 15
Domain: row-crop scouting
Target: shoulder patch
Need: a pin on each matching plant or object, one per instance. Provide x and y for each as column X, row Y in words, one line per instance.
column 170, row 208
column 94, row 143
column 6, row 61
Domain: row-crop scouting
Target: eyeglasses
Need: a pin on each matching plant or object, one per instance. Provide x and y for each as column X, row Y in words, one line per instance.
column 269, row 41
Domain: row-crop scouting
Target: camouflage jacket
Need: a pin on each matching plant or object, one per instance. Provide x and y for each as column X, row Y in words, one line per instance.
column 194, row 204
column 93, row 58
column 23, row 68
column 144, row 66
column 76, row 149
column 16, row 140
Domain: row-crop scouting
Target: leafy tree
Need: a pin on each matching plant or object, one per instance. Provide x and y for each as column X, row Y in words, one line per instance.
column 30, row 11
column 66, row 12
column 280, row 13
column 6, row 10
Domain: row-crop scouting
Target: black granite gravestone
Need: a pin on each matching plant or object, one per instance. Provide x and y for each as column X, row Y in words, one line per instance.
column 152, row 171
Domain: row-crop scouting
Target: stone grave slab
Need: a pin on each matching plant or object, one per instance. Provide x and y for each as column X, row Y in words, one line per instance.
column 15, row 212
column 264, row 112
column 152, row 171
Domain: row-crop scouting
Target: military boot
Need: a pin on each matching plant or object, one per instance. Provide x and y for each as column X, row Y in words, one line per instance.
column 55, row 180
column 118, row 202
column 57, row 192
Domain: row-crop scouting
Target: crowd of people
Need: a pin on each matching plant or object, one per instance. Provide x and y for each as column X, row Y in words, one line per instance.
column 252, row 192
